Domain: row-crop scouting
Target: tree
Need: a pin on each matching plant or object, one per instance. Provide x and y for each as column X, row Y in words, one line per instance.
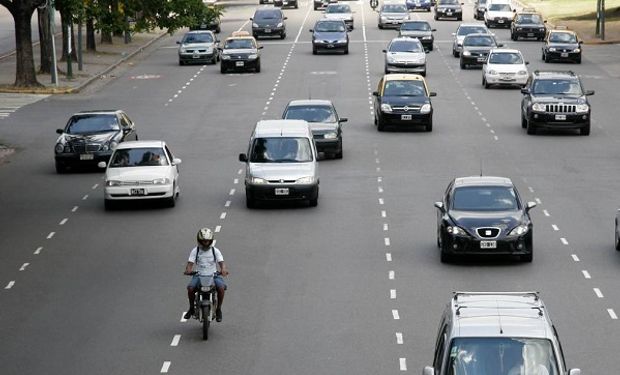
column 45, row 45
column 22, row 11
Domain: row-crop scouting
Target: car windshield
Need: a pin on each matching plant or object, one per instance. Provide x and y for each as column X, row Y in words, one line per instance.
column 505, row 58
column 556, row 86
column 329, row 27
column 239, row 44
column 417, row 26
column 197, row 38
column 466, row 30
column 338, row 8
column 562, row 38
column 448, row 2
column 268, row 15
column 482, row 2
column 404, row 88
column 501, row 356
column 311, row 113
column 281, row 150
column 529, row 18
column 484, row 198
column 138, row 157
column 87, row 124
column 479, row 41
column 405, row 46
column 499, row 8
column 394, row 8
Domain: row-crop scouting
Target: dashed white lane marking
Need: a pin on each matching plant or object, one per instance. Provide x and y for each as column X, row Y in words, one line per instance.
column 378, row 169
column 388, row 257
column 385, row 227
column 240, row 171
column 183, row 320
column 380, row 189
column 387, row 241
column 38, row 250
column 546, row 213
column 586, row 274
column 63, row 221
column 538, row 200
column 555, row 227
column 223, row 216
column 227, row 204
column 165, row 367
column 10, row 284
column 403, row 364
column 575, row 257
column 95, row 186
column 496, row 138
column 383, row 214
column 399, row 338
column 598, row 293
column 232, row 192
column 218, row 228
column 612, row 314
column 564, row 241
column 381, row 201
column 175, row 340
column 392, row 293
column 75, row 208
column 379, row 179
column 49, row 236
column 395, row 314
column 236, row 181
column 85, row 197
column 391, row 275
column 23, row 267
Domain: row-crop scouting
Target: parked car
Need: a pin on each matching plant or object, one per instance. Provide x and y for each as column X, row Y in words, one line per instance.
column 342, row 12
column 199, row 47
column 504, row 67
column 421, row 30
column 268, row 22
column 90, row 137
column 405, row 55
column 475, row 49
column 240, row 52
column 448, row 9
column 330, row 36
column 462, row 31
column 141, row 170
column 392, row 15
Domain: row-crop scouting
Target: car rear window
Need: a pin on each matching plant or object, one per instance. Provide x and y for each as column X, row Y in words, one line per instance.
column 484, row 198
column 138, row 157
column 281, row 150
column 86, row 124
column 416, row 26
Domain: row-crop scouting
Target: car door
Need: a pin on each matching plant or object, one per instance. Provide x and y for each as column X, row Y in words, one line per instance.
column 175, row 168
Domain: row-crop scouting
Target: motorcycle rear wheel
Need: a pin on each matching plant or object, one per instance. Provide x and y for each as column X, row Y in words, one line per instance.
column 206, row 321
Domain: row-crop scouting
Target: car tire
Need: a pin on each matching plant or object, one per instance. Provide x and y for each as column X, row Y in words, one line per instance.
column 527, row 258
column 283, row 35
column 109, row 205
column 423, row 74
column 314, row 201
column 459, row 18
column 512, row 37
column 314, row 50
column 436, row 18
column 257, row 68
column 60, row 168
column 485, row 83
column 250, row 202
column 218, row 30
column 338, row 154
column 222, row 68
column 546, row 58
column 462, row 64
column 380, row 124
column 578, row 61
column 429, row 125
column 296, row 5
column 380, row 26
column 531, row 129
column 617, row 239
column 346, row 50
column 585, row 130
column 455, row 53
column 430, row 48
column 316, row 8
column 523, row 122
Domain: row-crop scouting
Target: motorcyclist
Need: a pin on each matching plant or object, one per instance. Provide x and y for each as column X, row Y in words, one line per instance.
column 204, row 259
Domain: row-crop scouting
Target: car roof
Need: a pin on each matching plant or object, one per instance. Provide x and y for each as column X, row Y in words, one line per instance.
column 405, row 39
column 557, row 30
column 416, row 21
column 140, row 144
column 554, row 74
column 199, row 32
column 99, row 112
column 403, row 77
column 505, row 50
column 282, row 128
column 500, row 314
column 482, row 181
column 242, row 34
column 307, row 102
column 472, row 24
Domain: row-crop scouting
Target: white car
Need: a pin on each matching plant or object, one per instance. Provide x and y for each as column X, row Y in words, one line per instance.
column 499, row 13
column 340, row 12
column 505, row 67
column 141, row 170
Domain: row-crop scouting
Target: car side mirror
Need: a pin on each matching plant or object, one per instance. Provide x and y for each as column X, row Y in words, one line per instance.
column 217, row 40
column 531, row 205
column 178, row 42
column 251, row 18
column 545, row 21
column 176, row 161
column 260, row 47
column 574, row 371
column 285, row 18
column 220, row 49
column 311, row 30
column 440, row 206
column 589, row 92
column 525, row 91
column 343, row 119
column 580, row 42
column 243, row 158
column 384, row 51
column 428, row 370
column 453, row 34
column 59, row 131
column 500, row 45
column 433, row 29
column 527, row 63
column 375, row 93
column 102, row 164
column 432, row 93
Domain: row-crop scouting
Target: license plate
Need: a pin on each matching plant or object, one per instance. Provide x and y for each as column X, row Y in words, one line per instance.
column 564, row 54
column 137, row 192
column 500, row 21
column 448, row 13
column 395, row 22
column 488, row 244
column 239, row 63
column 560, row 117
column 530, row 34
column 482, row 59
column 267, row 30
column 87, row 156
column 281, row 191
column 195, row 56
column 330, row 45
column 405, row 117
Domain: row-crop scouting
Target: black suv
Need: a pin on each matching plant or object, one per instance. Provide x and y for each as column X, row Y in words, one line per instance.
column 555, row 100
column 528, row 24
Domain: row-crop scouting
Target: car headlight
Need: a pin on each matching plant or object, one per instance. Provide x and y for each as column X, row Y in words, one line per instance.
column 456, row 231
column 254, row 24
column 253, row 56
column 113, row 145
column 59, row 148
column 390, row 58
column 582, row 108
column 258, row 180
column 386, row 108
column 426, row 108
column 225, row 57
column 330, row 135
column 552, row 49
column 519, row 230
column 112, row 183
column 541, row 29
column 383, row 18
column 342, row 41
column 466, row 53
column 458, row 11
column 522, row 72
column 182, row 50
column 519, row 29
column 305, row 180
column 427, row 37
column 492, row 72
column 280, row 24
column 577, row 50
column 161, row 181
column 538, row 107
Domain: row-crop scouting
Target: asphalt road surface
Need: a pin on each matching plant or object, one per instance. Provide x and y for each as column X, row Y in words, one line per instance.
column 353, row 286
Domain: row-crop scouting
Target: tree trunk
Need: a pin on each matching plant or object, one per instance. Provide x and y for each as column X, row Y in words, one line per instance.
column 45, row 40
column 90, row 35
column 22, row 11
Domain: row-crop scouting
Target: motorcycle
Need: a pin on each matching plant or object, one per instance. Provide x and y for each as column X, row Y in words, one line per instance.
column 205, row 303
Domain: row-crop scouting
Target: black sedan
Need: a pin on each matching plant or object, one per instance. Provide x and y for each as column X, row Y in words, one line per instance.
column 421, row 30
column 330, row 35
column 528, row 25
column 485, row 216
column 90, row 137
column 562, row 45
column 448, row 9
column 476, row 49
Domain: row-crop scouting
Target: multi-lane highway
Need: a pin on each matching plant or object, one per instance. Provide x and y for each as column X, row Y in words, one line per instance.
column 353, row 286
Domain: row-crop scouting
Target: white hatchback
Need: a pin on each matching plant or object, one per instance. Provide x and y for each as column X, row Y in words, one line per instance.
column 504, row 67
column 141, row 170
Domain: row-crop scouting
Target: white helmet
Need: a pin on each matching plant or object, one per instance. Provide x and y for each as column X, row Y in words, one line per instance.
column 205, row 234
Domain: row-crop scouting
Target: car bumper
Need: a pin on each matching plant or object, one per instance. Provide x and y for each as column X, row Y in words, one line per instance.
column 529, row 34
column 503, row 80
column 564, row 56
column 550, row 121
column 405, row 68
column 88, row 158
column 457, row 245
column 123, row 193
column 197, row 57
column 499, row 22
column 295, row 192
column 330, row 46
column 397, row 119
column 327, row 145
column 392, row 23
column 473, row 60
column 232, row 64
column 267, row 31
column 448, row 15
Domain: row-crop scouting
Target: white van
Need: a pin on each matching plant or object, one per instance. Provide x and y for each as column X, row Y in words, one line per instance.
column 499, row 13
column 281, row 163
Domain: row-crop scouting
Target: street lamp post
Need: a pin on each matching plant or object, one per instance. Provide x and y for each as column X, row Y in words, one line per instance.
column 52, row 11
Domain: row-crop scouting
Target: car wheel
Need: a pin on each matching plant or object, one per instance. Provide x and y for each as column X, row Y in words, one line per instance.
column 585, row 130
column 314, row 50
column 380, row 124
column 218, row 30
column 617, row 238
column 346, row 50
column 222, row 68
column 109, row 205
column 314, row 202
column 436, row 18
column 527, row 257
column 423, row 74
column 546, row 58
column 455, row 53
column 445, row 256
column 181, row 62
column 531, row 130
column 459, row 18
column 485, row 83
column 429, row 125
column 578, row 61
column 60, row 168
column 338, row 155
column 283, row 35
column 462, row 64
column 250, row 202
column 430, row 48
column 380, row 26
column 316, row 8
column 523, row 122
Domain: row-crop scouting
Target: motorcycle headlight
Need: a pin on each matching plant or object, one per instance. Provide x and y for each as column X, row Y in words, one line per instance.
column 112, row 183
column 456, row 231
column 466, row 53
column 254, row 24
column 305, row 180
column 225, row 57
column 253, row 56
column 522, row 72
column 59, row 148
column 280, row 24
column 577, row 50
column 552, row 49
column 161, row 181
column 386, row 108
column 258, row 180
column 426, row 108
column 519, row 230
column 538, row 107
column 582, row 108
column 330, row 135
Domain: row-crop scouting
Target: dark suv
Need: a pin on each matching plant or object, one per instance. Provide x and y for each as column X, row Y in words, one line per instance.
column 268, row 22
column 555, row 100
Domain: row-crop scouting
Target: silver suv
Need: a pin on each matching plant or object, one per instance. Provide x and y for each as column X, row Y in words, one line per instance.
column 499, row 333
column 199, row 46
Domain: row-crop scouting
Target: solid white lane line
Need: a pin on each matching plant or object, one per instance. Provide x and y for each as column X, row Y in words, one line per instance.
column 392, row 293
column 586, row 274
column 95, row 186
column 399, row 338
column 546, row 213
column 492, row 131
column 612, row 314
column 223, row 216
column 49, row 236
column 383, row 214
column 387, row 241
column 63, row 221
column 183, row 320
column 391, row 275
column 227, row 204
column 598, row 293
column 575, row 257
column 555, row 227
column 232, row 192
column 23, row 267
column 388, row 257
column 9, row 285
column 496, row 138
column 385, row 227
column 38, row 250
column 403, row 364
column 85, row 197
column 378, row 169
column 175, row 340
column 564, row 241
column 395, row 314
column 218, row 228
column 165, row 367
